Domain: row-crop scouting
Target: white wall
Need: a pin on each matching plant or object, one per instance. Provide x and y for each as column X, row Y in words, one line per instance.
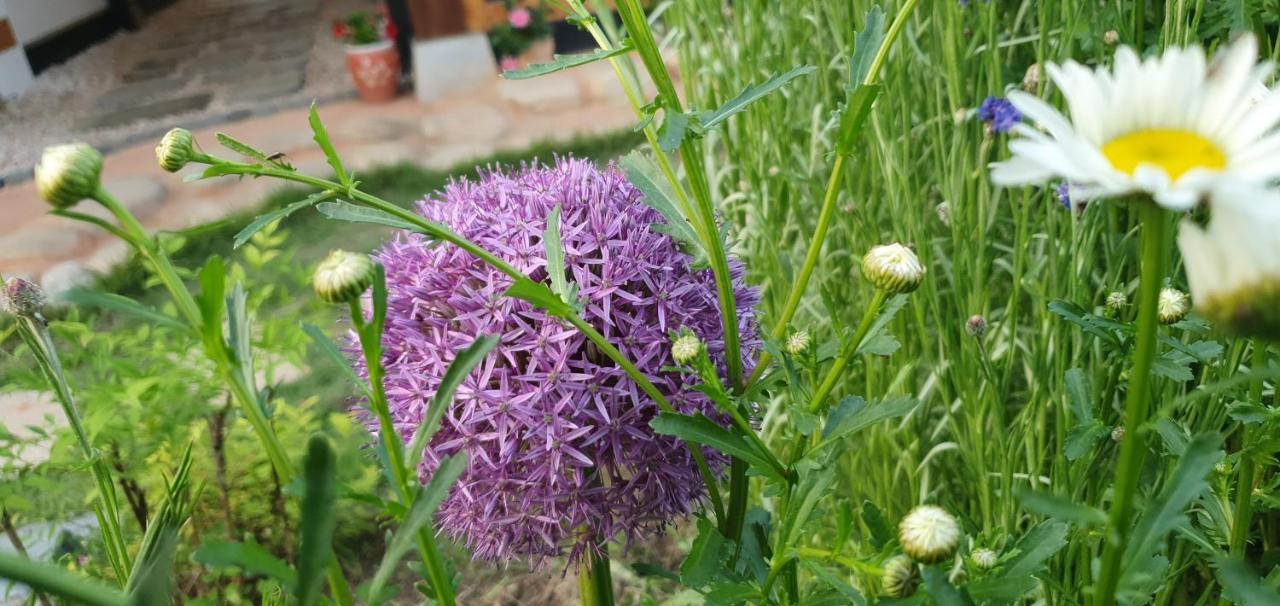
column 15, row 72
column 35, row 19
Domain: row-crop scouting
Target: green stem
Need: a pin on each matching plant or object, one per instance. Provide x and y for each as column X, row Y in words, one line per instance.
column 833, row 375
column 595, row 581
column 391, row 442
column 1248, row 465
column 1155, row 241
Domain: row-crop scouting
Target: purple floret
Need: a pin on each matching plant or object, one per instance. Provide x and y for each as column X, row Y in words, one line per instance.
column 557, row 437
column 999, row 114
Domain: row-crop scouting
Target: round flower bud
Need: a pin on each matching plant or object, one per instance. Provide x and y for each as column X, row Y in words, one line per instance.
column 900, row 578
column 1172, row 306
column 68, row 174
column 929, row 534
column 1117, row 434
column 984, row 558
column 893, row 268
column 1031, row 79
column 22, row 298
column 685, row 348
column 798, row 342
column 1117, row 301
column 1111, row 37
column 175, row 149
column 944, row 212
column 976, row 326
column 342, row 276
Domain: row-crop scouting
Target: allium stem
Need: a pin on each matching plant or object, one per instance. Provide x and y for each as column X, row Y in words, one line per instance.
column 1248, row 466
column 1154, row 225
column 595, row 581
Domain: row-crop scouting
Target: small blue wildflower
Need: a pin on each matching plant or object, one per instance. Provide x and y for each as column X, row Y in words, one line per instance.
column 1064, row 194
column 999, row 114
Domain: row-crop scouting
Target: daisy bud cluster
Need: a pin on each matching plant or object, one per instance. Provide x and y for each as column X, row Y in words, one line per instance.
column 68, row 174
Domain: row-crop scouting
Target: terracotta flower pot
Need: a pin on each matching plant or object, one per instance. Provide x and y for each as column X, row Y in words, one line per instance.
column 375, row 68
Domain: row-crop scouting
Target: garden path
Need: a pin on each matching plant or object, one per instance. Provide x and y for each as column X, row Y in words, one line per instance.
column 506, row 115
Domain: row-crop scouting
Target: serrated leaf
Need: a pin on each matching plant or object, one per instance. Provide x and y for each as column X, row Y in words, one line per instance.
column 319, row 518
column 883, row 344
column 346, row 211
column 1174, row 437
column 1081, row 439
column 1168, row 509
column 331, row 351
column 1060, row 508
column 888, row 311
column 941, row 589
column 461, row 366
column 266, row 219
column 1242, row 585
column 647, row 177
column 750, row 94
column 321, row 136
column 845, row 590
column 804, row 498
column 866, row 44
column 1091, row 324
column 241, row 148
column 879, row 528
column 701, row 430
column 705, row 560
column 420, row 516
column 1174, row 366
column 563, row 62
column 853, row 116
column 674, row 129
column 122, row 304
column 1035, row 548
column 851, row 416
column 250, row 557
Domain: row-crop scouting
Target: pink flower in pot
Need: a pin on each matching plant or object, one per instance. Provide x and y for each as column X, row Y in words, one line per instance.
column 520, row 18
column 509, row 63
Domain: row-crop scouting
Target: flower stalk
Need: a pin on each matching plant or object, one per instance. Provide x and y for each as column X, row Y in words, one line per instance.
column 1154, row 227
column 1243, row 515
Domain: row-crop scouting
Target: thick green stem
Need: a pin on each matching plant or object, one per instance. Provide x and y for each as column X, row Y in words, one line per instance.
column 833, row 375
column 1248, row 466
column 595, row 581
column 1155, row 254
column 55, row 581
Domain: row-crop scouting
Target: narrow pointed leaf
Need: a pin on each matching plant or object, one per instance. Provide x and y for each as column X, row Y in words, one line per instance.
column 563, row 62
column 420, row 517
column 752, row 93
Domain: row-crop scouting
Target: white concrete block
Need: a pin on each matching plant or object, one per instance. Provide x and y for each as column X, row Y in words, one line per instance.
column 444, row 66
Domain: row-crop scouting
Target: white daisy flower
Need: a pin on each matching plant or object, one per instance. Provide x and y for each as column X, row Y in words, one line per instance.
column 1168, row 126
column 1233, row 264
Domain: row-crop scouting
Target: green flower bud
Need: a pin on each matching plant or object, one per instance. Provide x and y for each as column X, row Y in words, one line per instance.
column 975, row 326
column 68, row 174
column 175, row 149
column 900, row 577
column 798, row 342
column 685, row 348
column 929, row 534
column 342, row 276
column 984, row 559
column 1117, row 301
column 893, row 268
column 1172, row 306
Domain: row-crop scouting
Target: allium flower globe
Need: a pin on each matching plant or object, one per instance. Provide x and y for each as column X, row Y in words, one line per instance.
column 557, row 437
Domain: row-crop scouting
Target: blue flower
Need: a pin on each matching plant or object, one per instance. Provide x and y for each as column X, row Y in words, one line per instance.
column 1064, row 194
column 999, row 114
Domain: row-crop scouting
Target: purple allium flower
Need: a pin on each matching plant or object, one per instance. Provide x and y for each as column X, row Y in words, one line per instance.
column 558, row 437
column 999, row 114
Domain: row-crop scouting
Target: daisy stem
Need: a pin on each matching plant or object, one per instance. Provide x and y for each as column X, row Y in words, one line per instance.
column 1248, row 466
column 1155, row 242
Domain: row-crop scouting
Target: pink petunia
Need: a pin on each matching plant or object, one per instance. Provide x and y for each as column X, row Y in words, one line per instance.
column 509, row 64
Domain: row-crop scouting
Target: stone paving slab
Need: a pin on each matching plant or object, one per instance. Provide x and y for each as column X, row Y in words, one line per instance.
column 506, row 115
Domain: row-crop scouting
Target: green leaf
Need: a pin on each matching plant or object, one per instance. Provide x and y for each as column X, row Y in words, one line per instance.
column 866, row 44
column 644, row 569
column 241, row 148
column 563, row 62
column 1174, row 437
column 1081, row 394
column 212, row 299
column 1060, row 508
column 880, row 530
column 318, row 520
column 883, row 344
column 346, row 211
column 752, row 93
column 850, row 417
column 122, row 304
column 831, row 580
column 326, row 146
column 941, row 590
column 331, row 351
column 153, row 583
column 250, row 557
column 555, row 261
column 701, row 430
column 420, row 516
column 540, row 296
column 1102, row 328
column 887, row 313
column 1242, row 586
column 808, row 491
column 730, row 594
column 1001, row 589
column 1082, row 438
column 705, row 561
column 56, row 581
column 1174, row 366
column 658, row 195
column 853, row 116
column 1035, row 548
column 675, row 126
column 461, row 366
column 1168, row 509
column 266, row 219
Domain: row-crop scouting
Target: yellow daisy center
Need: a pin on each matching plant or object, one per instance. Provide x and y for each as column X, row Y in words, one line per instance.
column 1176, row 151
